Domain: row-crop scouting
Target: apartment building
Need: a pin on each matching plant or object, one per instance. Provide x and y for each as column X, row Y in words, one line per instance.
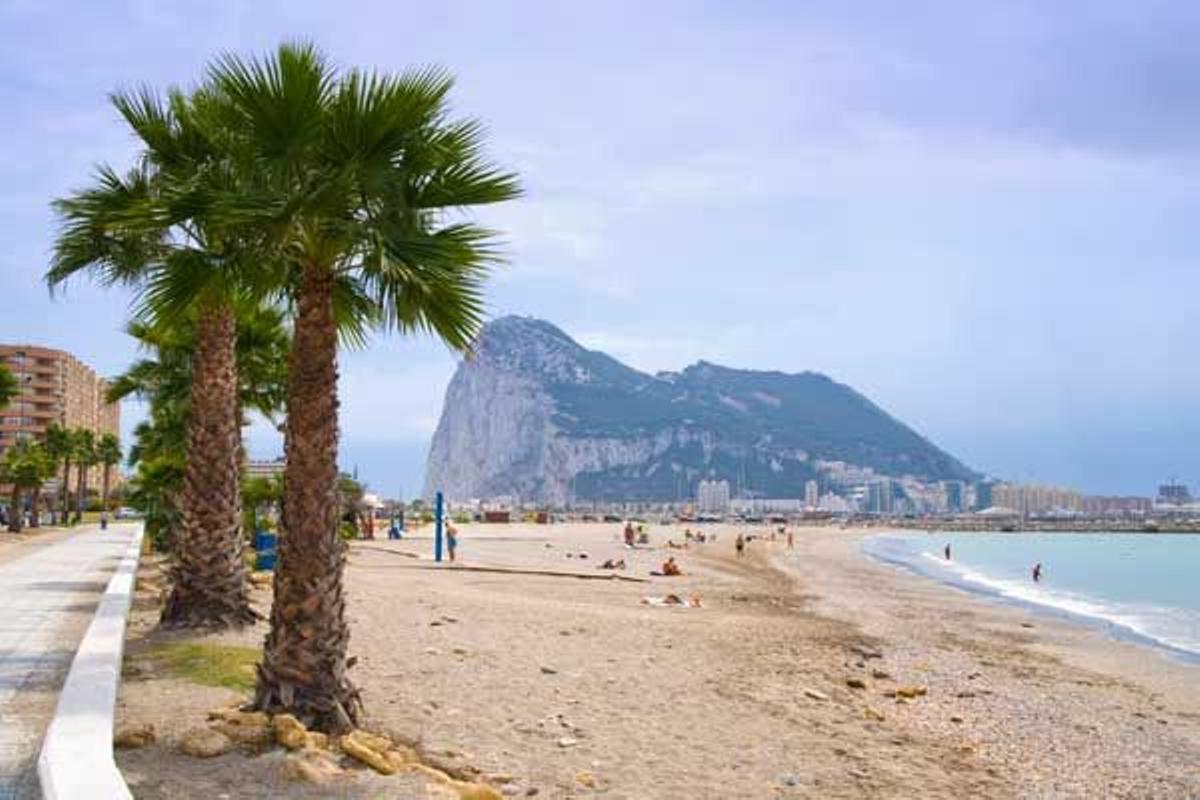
column 54, row 387
column 1035, row 499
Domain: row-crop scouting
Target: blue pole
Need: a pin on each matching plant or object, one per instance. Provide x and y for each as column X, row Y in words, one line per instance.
column 439, row 511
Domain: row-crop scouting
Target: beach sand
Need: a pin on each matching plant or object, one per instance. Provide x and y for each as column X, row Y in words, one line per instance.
column 556, row 686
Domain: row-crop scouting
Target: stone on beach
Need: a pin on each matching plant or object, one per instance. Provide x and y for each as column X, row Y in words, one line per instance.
column 402, row 757
column 475, row 791
column 866, row 652
column 202, row 742
column 911, row 692
column 373, row 740
column 135, row 736
column 289, row 731
column 311, row 766
column 235, row 716
column 254, row 735
column 370, row 750
column 243, row 727
column 449, row 787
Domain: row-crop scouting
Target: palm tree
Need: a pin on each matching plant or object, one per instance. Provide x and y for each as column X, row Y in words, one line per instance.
column 58, row 446
column 165, row 378
column 357, row 180
column 154, row 490
column 83, row 448
column 159, row 449
column 44, row 467
column 11, row 469
column 9, row 387
column 25, row 466
column 135, row 230
column 108, row 451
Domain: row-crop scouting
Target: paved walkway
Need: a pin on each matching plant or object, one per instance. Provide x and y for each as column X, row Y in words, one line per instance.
column 47, row 598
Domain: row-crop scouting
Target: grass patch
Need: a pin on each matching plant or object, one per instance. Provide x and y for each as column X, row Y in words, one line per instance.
column 222, row 665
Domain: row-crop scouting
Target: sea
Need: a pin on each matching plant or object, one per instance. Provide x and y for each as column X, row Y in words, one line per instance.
column 1138, row 586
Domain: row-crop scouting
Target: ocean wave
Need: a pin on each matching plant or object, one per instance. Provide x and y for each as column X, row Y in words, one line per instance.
column 1171, row 627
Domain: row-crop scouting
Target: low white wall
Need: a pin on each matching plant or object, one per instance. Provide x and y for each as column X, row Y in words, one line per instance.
column 76, row 761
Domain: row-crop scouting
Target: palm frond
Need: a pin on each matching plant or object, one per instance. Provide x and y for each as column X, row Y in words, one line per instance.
column 276, row 102
column 109, row 230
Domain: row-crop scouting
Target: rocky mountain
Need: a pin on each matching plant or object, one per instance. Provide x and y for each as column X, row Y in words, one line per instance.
column 533, row 414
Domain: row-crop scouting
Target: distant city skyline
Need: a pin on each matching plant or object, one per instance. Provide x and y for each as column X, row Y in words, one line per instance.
column 978, row 215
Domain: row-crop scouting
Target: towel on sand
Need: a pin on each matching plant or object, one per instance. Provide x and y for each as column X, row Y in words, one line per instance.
column 672, row 601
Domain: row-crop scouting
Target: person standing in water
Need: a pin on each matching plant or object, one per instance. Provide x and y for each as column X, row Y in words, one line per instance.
column 1037, row 572
column 947, row 551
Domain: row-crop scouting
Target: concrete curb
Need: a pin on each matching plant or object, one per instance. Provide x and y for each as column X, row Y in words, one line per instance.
column 77, row 755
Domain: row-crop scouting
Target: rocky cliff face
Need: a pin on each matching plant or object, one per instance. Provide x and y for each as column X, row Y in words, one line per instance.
column 532, row 414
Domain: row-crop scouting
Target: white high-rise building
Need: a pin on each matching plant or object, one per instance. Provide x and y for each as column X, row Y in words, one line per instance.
column 812, row 495
column 879, row 496
column 712, row 497
column 838, row 505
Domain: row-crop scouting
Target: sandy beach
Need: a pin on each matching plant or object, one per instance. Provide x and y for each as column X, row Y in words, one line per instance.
column 787, row 681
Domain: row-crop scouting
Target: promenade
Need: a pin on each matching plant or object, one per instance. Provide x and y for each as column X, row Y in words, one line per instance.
column 47, row 596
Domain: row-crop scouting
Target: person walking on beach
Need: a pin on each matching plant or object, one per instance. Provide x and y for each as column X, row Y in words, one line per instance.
column 629, row 534
column 791, row 541
column 947, row 551
column 740, row 544
column 451, row 540
column 1037, row 572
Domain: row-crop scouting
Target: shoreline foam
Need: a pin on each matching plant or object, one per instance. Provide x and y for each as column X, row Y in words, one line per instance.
column 1122, row 621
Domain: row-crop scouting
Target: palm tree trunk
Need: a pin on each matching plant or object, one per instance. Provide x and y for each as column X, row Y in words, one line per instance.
column 81, row 489
column 303, row 670
column 65, row 491
column 210, row 587
column 104, row 491
column 14, row 510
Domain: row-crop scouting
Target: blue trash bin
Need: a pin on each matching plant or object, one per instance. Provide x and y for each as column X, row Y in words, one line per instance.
column 264, row 543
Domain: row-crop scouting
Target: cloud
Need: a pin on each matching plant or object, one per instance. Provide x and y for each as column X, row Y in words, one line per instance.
column 981, row 215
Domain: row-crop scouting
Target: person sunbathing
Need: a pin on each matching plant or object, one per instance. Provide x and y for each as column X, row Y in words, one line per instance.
column 670, row 569
column 610, row 564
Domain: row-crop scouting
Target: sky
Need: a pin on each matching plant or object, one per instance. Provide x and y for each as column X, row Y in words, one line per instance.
column 980, row 215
